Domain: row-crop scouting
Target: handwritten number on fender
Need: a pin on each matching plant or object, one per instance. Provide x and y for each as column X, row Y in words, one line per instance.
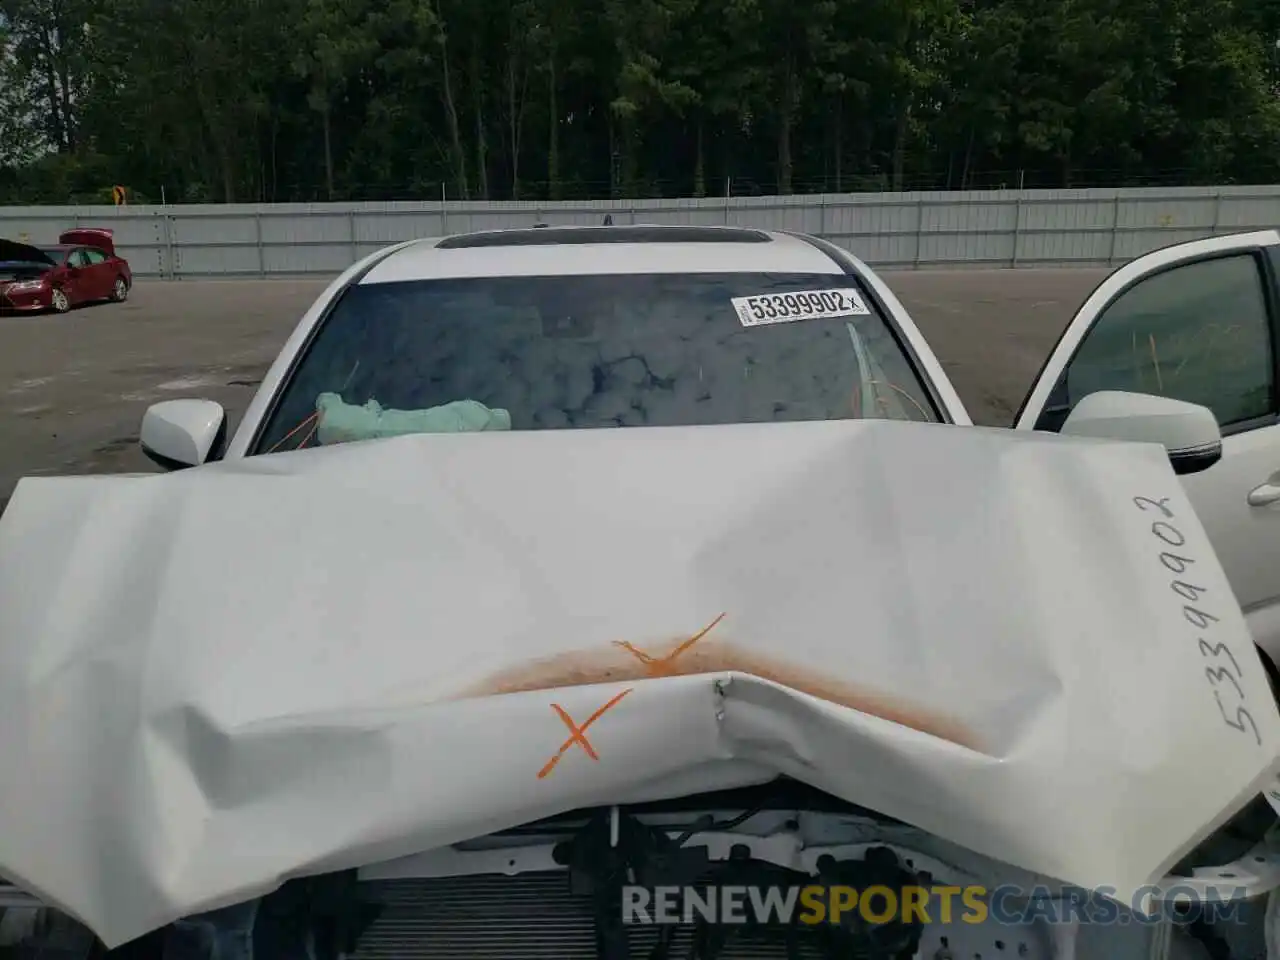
column 1217, row 674
column 1242, row 715
column 1219, row 650
column 1142, row 503
column 1168, row 532
column 1227, row 691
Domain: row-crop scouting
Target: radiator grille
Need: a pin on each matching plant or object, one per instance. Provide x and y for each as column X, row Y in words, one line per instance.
column 529, row 917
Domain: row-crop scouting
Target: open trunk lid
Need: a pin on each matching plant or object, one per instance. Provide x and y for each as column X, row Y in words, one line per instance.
column 100, row 238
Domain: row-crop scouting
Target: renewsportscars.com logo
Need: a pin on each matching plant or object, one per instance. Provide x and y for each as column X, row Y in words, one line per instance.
column 817, row 904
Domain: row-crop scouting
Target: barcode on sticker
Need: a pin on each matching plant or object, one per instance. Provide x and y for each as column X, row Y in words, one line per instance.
column 799, row 305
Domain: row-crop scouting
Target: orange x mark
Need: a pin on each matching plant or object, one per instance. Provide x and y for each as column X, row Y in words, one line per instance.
column 665, row 666
column 656, row 666
column 578, row 734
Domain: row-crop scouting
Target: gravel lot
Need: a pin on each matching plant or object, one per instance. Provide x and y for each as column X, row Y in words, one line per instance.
column 73, row 388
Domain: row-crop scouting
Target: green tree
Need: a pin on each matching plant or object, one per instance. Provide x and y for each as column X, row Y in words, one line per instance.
column 242, row 100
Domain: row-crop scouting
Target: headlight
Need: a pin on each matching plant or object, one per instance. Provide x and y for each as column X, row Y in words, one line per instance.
column 26, row 286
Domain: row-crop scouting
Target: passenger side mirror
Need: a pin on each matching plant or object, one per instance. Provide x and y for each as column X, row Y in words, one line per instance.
column 1188, row 431
column 183, row 433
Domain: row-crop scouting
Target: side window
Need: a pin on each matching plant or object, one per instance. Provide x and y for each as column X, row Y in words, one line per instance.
column 1199, row 332
column 77, row 259
column 95, row 256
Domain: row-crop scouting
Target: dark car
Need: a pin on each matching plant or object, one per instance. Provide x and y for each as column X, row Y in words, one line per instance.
column 82, row 267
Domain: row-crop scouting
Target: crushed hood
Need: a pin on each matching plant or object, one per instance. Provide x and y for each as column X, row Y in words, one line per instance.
column 11, row 251
column 220, row 678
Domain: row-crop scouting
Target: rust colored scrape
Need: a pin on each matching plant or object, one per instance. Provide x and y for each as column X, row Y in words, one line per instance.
column 623, row 662
column 663, row 666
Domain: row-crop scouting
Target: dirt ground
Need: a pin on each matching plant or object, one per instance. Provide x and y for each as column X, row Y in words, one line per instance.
column 73, row 388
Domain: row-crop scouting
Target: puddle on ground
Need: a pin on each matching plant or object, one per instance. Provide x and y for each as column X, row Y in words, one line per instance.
column 115, row 446
column 188, row 383
column 22, row 386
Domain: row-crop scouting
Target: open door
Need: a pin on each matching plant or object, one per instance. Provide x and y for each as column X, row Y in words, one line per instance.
column 1200, row 322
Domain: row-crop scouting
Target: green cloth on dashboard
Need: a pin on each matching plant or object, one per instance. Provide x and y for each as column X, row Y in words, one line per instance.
column 342, row 422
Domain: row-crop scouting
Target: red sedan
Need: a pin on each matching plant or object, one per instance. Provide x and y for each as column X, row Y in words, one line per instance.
column 82, row 267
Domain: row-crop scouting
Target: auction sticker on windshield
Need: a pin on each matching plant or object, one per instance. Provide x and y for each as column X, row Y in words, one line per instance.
column 799, row 305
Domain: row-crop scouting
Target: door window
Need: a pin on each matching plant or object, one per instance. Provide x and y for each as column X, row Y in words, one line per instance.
column 78, row 259
column 1199, row 332
column 95, row 256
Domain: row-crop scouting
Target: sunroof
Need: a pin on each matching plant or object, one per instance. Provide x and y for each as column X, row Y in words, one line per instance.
column 547, row 236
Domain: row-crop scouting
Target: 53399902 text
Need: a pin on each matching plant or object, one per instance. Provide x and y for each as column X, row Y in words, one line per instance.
column 1222, row 670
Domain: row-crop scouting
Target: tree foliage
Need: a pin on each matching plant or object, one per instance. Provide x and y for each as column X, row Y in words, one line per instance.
column 279, row 100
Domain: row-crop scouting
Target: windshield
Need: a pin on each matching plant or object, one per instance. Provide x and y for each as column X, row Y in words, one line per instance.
column 536, row 353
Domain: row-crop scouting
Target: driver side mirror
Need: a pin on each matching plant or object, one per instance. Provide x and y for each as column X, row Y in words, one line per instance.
column 1188, row 431
column 177, row 434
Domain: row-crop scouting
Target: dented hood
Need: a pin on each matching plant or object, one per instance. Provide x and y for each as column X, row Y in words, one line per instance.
column 224, row 677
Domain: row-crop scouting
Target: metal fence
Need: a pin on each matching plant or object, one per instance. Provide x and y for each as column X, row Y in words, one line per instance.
column 894, row 230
